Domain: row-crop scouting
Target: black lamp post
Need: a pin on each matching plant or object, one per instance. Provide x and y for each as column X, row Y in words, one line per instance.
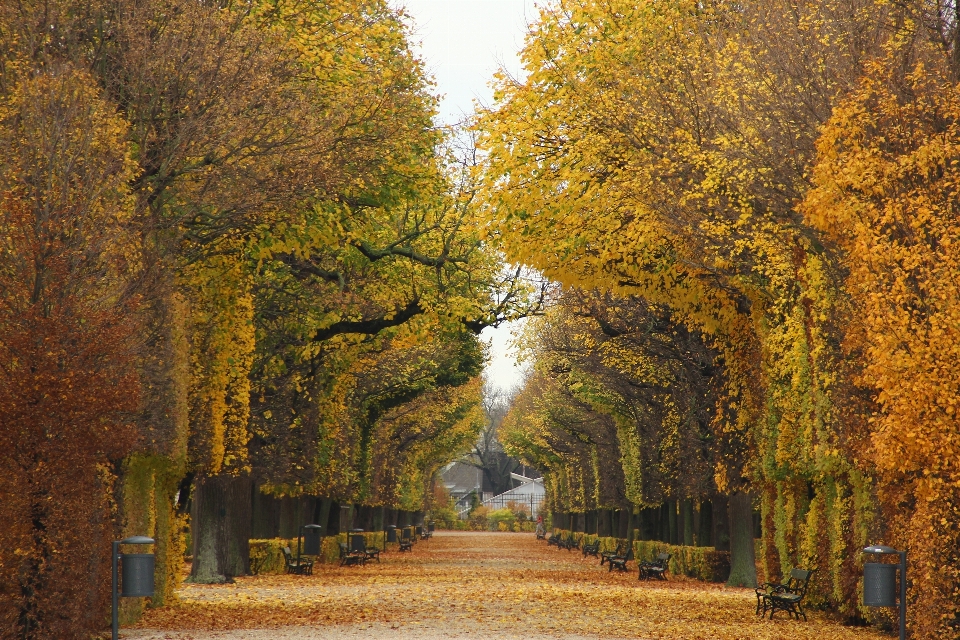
column 312, row 540
column 137, row 571
column 880, row 583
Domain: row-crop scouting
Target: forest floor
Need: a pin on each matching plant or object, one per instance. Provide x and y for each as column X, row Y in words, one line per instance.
column 475, row 585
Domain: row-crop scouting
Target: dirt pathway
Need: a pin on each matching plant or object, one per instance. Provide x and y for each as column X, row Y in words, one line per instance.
column 473, row 585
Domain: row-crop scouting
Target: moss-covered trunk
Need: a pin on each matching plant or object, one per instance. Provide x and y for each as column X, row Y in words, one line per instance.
column 743, row 565
column 221, row 526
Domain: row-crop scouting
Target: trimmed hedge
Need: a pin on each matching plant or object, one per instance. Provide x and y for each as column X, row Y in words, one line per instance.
column 266, row 556
column 702, row 563
column 527, row 526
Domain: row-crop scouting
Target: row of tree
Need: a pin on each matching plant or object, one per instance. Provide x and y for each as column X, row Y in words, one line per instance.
column 753, row 206
column 235, row 252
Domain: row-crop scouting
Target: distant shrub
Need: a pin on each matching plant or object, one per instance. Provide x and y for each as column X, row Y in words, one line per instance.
column 501, row 516
column 520, row 510
column 478, row 518
column 444, row 517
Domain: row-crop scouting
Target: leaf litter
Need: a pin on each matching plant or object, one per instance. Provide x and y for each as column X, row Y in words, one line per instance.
column 486, row 584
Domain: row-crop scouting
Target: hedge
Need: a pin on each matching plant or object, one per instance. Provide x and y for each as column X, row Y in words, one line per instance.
column 266, row 556
column 702, row 563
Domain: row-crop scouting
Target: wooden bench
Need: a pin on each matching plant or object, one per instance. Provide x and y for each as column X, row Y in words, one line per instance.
column 371, row 553
column 406, row 541
column 785, row 597
column 570, row 543
column 300, row 567
column 619, row 551
column 655, row 568
column 620, row 562
column 349, row 557
column 592, row 550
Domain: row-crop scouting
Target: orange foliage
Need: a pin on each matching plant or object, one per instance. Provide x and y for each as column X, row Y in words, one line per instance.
column 66, row 378
column 887, row 183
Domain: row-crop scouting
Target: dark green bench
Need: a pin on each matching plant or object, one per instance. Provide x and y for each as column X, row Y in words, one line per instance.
column 787, row 597
column 570, row 543
column 298, row 566
column 592, row 550
column 620, row 562
column 655, row 568
column 619, row 551
column 406, row 540
column 349, row 556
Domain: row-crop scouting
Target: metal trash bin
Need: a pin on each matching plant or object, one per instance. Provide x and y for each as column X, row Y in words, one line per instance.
column 391, row 533
column 311, row 540
column 879, row 585
column 431, row 527
column 136, row 573
column 358, row 543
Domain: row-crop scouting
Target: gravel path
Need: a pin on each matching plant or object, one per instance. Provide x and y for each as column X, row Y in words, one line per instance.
column 346, row 632
column 474, row 586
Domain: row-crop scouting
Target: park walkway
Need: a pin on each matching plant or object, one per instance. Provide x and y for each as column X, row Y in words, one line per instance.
column 473, row 585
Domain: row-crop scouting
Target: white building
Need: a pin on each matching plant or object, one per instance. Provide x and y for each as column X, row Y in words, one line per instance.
column 529, row 493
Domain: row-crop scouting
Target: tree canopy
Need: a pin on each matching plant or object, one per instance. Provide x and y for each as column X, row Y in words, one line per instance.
column 773, row 178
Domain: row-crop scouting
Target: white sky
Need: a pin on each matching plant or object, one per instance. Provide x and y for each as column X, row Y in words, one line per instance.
column 463, row 42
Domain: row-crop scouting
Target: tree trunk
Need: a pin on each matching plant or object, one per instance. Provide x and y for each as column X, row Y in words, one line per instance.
column 649, row 523
column 743, row 562
column 289, row 516
column 686, row 508
column 221, row 526
column 322, row 515
column 673, row 535
column 705, row 530
column 721, row 523
column 266, row 515
column 346, row 517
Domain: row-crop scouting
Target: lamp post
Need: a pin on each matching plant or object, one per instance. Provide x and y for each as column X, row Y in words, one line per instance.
column 137, row 576
column 311, row 543
column 880, row 580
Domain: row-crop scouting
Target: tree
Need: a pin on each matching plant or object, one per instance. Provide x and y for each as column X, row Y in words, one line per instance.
column 884, row 194
column 68, row 387
column 488, row 454
column 660, row 150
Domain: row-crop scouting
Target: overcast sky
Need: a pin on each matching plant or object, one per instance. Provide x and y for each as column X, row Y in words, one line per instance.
column 463, row 43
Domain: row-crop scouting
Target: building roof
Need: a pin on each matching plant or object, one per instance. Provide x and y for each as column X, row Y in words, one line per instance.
column 460, row 477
